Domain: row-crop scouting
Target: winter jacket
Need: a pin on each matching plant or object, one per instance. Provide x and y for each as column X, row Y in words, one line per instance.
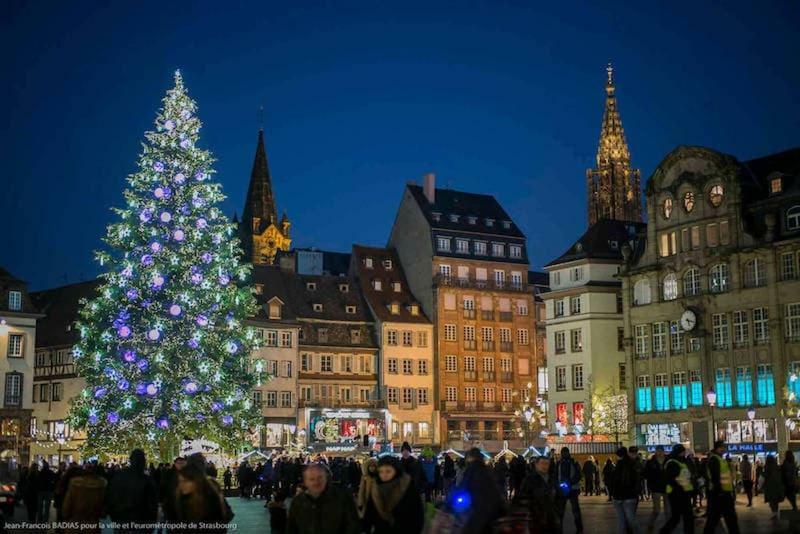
column 132, row 497
column 568, row 471
column 412, row 466
column 487, row 502
column 365, row 486
column 332, row 512
column 398, row 511
column 654, row 474
column 84, row 502
column 672, row 474
column 538, row 496
column 625, row 482
column 773, row 484
column 789, row 476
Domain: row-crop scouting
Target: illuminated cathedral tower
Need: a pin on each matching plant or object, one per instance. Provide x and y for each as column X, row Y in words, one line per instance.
column 613, row 186
column 262, row 234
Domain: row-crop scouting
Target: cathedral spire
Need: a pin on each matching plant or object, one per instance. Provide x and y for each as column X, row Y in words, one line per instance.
column 613, row 186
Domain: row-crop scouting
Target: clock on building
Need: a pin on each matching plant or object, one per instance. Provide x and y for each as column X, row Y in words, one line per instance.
column 688, row 320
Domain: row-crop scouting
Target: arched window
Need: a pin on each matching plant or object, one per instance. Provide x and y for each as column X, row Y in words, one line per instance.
column 688, row 201
column 667, row 208
column 754, row 273
column 670, row 287
column 793, row 218
column 716, row 195
column 719, row 278
column 641, row 293
column 691, row 282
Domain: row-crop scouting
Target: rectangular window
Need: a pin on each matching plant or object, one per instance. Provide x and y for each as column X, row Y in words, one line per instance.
column 408, row 367
column 505, row 335
column 642, row 341
column 449, row 333
column 487, row 333
column 347, row 363
column 391, row 365
column 422, row 367
column 561, row 378
column 407, row 338
column 58, row 391
column 515, row 251
column 793, row 381
column 559, row 307
column 462, row 246
column 488, row 394
column 712, row 235
column 719, row 323
column 675, row 338
column 271, row 338
column 15, row 300
column 620, row 339
column 498, row 250
column 760, row 326
column 623, row 376
column 723, row 388
column 450, row 363
column 408, row 396
column 444, row 271
column 451, row 393
column 305, row 362
column 257, row 399
column 576, row 273
column 788, row 266
column 422, row 339
column 391, row 395
column 724, row 233
column 326, row 363
column 542, row 380
column 695, row 388
column 286, row 399
column 560, row 342
column 488, row 365
column 744, row 386
column 662, row 392
column 272, row 399
column 15, row 345
column 793, row 322
column 695, row 237
column 44, row 392
column 765, row 385
column 659, row 339
column 680, row 394
column 685, row 243
column 286, row 339
column 422, row 396
column 576, row 338
column 522, row 336
column 443, row 244
column 575, row 305
column 470, row 394
column 644, row 397
column 469, row 363
column 577, row 376
column 469, row 333
column 522, row 307
column 480, row 248
column 741, row 334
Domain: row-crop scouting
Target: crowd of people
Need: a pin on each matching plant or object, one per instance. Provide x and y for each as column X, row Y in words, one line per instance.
column 390, row 494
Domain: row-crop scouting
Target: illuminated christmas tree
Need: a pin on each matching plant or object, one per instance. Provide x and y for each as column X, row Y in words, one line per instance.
column 163, row 348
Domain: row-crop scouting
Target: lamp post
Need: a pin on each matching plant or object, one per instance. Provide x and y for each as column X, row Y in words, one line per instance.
column 528, row 413
column 711, row 397
column 751, row 413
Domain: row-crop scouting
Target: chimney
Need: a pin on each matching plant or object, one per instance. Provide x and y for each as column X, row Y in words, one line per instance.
column 430, row 187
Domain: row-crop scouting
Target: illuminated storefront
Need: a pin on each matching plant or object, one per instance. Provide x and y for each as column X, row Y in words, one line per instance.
column 664, row 434
column 756, row 436
column 347, row 425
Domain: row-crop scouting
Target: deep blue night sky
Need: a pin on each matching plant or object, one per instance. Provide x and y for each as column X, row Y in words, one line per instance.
column 500, row 98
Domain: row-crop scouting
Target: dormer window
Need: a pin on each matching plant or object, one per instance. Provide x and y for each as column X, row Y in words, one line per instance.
column 350, row 309
column 368, row 263
column 15, row 300
column 394, row 308
column 355, row 336
column 436, row 216
column 387, row 264
column 259, row 289
column 506, row 224
column 462, row 246
column 490, row 222
column 344, row 288
column 443, row 244
column 311, row 286
column 274, row 308
column 454, row 217
column 414, row 309
column 472, row 219
column 775, row 186
column 317, row 307
column 515, row 251
column 396, row 287
column 377, row 285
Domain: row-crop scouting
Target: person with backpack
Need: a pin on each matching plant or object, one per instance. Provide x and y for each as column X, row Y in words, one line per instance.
column 679, row 488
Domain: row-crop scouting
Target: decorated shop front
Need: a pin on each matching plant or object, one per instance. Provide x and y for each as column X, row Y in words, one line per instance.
column 347, row 426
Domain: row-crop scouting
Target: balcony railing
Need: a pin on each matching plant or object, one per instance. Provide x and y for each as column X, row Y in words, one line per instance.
column 470, row 375
column 474, row 406
column 506, row 316
column 487, row 315
column 469, row 344
column 506, row 376
column 487, row 345
column 461, row 281
column 339, row 403
column 481, row 435
column 469, row 314
column 506, row 346
column 489, row 376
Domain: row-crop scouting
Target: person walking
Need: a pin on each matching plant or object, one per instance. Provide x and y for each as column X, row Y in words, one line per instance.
column 29, row 492
column 227, row 478
column 568, row 477
column 197, row 500
column 477, row 481
column 84, row 500
column 759, row 480
column 537, row 494
column 500, row 475
column 448, row 474
column 608, row 473
column 45, row 484
column 656, row 481
column 589, row 472
column 394, row 506
column 746, row 472
column 322, row 508
column 721, row 494
column 679, row 488
column 773, row 485
column 368, row 478
column 132, row 495
column 411, row 465
column 625, row 484
column 789, row 478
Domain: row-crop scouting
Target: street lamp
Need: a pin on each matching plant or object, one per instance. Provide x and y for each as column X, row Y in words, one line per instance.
column 711, row 397
column 751, row 413
column 528, row 413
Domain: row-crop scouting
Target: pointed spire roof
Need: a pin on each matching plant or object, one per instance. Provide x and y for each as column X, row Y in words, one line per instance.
column 612, row 147
column 260, row 201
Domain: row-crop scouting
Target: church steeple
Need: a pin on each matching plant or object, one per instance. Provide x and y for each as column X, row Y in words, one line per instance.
column 262, row 233
column 613, row 186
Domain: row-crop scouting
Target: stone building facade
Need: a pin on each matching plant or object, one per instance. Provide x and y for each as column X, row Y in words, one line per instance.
column 467, row 263
column 712, row 303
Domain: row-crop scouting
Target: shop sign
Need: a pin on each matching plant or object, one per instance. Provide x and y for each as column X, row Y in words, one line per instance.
column 751, row 447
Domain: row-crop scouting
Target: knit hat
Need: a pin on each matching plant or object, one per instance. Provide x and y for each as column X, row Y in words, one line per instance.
column 405, row 447
column 388, row 459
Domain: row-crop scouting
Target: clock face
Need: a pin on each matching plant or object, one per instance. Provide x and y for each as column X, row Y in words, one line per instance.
column 688, row 320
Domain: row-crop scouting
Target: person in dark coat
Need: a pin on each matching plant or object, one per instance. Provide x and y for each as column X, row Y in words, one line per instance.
column 322, row 508
column 227, row 478
column 657, row 484
column 589, row 472
column 500, row 475
column 608, row 473
column 45, row 485
column 518, row 472
column 394, row 506
column 412, row 466
column 29, row 492
column 568, row 477
column 487, row 503
column 679, row 486
column 448, row 474
column 84, row 500
column 537, row 494
column 774, row 492
column 197, row 500
column 789, row 478
column 132, row 496
column 625, row 488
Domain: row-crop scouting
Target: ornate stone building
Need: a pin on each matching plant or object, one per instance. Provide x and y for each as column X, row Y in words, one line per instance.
column 712, row 303
column 613, row 185
column 467, row 263
column 261, row 233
